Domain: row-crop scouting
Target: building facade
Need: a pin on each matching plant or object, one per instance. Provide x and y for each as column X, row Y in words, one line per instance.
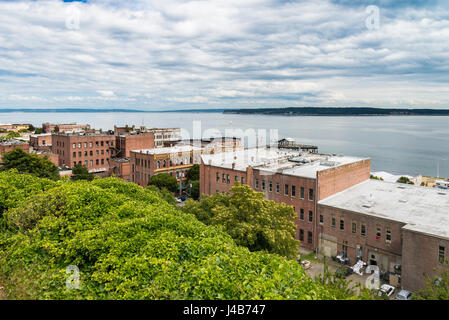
column 41, row 142
column 10, row 145
column 63, row 127
column 92, row 150
column 287, row 176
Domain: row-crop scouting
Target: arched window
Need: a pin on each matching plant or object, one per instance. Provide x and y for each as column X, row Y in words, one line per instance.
column 158, row 164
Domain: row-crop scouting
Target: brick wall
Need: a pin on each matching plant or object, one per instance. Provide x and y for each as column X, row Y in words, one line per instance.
column 420, row 259
column 334, row 180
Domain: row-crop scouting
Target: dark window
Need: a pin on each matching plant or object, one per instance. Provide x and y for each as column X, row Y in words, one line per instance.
column 388, row 236
column 263, row 184
column 301, row 214
column 293, row 191
column 286, row 190
column 270, row 186
column 310, row 216
column 301, row 194
column 441, row 254
column 342, row 224
column 333, row 222
column 74, row 154
column 321, row 219
column 363, row 229
column 378, row 233
column 301, row 235
column 354, row 227
column 277, row 188
column 310, row 194
column 218, row 176
column 309, row 236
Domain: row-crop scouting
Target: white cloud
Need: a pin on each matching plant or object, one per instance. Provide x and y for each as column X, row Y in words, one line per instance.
column 230, row 53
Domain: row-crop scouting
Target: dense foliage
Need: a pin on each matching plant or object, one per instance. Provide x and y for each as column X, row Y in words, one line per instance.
column 251, row 221
column 404, row 180
column 80, row 172
column 164, row 181
column 128, row 243
column 29, row 163
column 194, row 173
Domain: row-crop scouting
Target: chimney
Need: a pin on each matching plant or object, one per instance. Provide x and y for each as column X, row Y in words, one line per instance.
column 233, row 165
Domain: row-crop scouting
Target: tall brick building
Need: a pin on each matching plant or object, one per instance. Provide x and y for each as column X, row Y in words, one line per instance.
column 64, row 127
column 93, row 150
column 293, row 177
column 9, row 145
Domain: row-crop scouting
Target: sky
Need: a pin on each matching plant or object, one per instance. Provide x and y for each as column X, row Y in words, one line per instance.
column 178, row 54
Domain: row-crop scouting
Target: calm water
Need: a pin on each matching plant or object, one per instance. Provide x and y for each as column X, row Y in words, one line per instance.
column 400, row 145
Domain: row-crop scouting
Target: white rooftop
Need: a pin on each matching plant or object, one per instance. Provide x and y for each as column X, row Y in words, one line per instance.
column 422, row 209
column 285, row 161
column 175, row 149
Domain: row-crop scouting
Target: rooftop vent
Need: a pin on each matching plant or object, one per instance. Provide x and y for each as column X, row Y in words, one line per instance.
column 442, row 193
column 401, row 187
column 403, row 200
column 367, row 205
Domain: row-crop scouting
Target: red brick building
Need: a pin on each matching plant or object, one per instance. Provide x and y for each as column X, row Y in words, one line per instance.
column 287, row 176
column 133, row 141
column 41, row 142
column 388, row 224
column 175, row 161
column 64, row 127
column 9, row 145
column 93, row 150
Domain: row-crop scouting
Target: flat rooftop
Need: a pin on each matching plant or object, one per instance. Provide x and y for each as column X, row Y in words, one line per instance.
column 421, row 209
column 167, row 150
column 274, row 160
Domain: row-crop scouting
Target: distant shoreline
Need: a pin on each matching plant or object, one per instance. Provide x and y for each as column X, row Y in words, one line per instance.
column 300, row 111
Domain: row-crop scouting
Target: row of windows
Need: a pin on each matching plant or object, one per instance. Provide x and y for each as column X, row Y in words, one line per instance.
column 287, row 190
column 145, row 177
column 309, row 236
column 97, row 144
column 301, row 215
column 90, row 153
column 91, row 162
column 164, row 163
column 354, row 227
column 226, row 178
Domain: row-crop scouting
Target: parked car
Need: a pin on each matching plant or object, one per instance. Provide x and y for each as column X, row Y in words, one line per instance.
column 404, row 295
column 183, row 198
column 386, row 290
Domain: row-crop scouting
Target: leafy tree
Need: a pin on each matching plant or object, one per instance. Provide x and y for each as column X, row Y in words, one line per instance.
column 29, row 163
column 258, row 224
column 195, row 193
column 38, row 131
column 80, row 172
column 404, row 180
column 31, row 128
column 12, row 135
column 128, row 243
column 436, row 288
column 194, row 173
column 164, row 194
column 164, row 181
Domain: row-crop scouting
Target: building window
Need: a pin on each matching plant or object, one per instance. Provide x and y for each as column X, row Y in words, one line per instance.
column 74, row 154
column 293, row 191
column 85, row 153
column 441, row 254
column 90, row 144
column 388, row 236
column 91, row 163
column 333, row 222
column 74, row 145
column 74, row 164
column 96, row 143
column 310, row 216
column 342, row 224
column 301, row 214
column 257, row 183
column 378, row 233
column 309, row 236
column 158, row 164
column 243, row 180
column 91, row 153
column 102, row 143
column 102, row 161
column 277, row 187
column 85, row 144
column 363, row 229
column 345, row 248
column 301, row 235
column 270, row 186
column 79, row 145
column 85, row 163
column 354, row 227
column 321, row 219
column 237, row 179
column 97, row 162
column 263, row 185
column 228, row 179
column 301, row 192
column 310, row 194
column 217, row 177
column 223, row 178
column 286, row 190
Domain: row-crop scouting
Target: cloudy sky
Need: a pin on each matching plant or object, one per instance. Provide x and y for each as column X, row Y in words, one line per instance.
column 179, row 54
